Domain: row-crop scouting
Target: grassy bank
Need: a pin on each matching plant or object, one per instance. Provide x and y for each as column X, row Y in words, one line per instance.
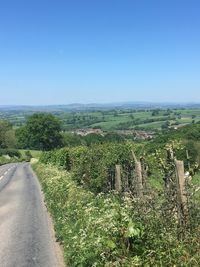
column 6, row 160
column 10, row 156
column 112, row 229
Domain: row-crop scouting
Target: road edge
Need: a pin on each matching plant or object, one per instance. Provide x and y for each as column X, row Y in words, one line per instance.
column 58, row 248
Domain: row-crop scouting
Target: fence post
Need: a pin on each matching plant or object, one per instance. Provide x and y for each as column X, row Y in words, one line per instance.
column 118, row 181
column 126, row 180
column 144, row 172
column 181, row 191
column 188, row 159
column 138, row 176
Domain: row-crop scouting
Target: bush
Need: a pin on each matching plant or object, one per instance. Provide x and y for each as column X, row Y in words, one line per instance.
column 10, row 152
column 28, row 155
column 93, row 166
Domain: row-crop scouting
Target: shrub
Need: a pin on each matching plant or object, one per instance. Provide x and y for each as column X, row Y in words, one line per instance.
column 10, row 152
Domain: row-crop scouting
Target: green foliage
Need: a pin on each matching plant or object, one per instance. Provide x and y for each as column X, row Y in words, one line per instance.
column 28, row 155
column 93, row 138
column 71, row 140
column 165, row 125
column 65, row 158
column 114, row 137
column 5, row 160
column 34, row 153
column 115, row 230
column 189, row 132
column 94, row 166
column 7, row 135
column 155, row 112
column 110, row 120
column 10, row 152
column 42, row 132
column 10, row 156
column 99, row 227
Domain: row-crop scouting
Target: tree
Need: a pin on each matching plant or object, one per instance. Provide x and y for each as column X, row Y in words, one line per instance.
column 70, row 139
column 155, row 112
column 41, row 132
column 7, row 135
column 93, row 138
column 113, row 137
column 10, row 139
column 165, row 125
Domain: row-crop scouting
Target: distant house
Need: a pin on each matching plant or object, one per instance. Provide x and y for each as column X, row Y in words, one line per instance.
column 86, row 131
column 138, row 134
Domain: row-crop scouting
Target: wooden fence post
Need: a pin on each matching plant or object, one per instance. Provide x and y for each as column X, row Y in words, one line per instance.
column 138, row 176
column 188, row 160
column 144, row 172
column 181, row 191
column 118, row 181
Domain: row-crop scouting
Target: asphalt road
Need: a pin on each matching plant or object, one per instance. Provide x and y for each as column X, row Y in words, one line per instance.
column 25, row 233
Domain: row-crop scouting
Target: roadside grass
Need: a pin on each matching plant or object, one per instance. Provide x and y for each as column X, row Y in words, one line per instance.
column 5, row 160
column 107, row 230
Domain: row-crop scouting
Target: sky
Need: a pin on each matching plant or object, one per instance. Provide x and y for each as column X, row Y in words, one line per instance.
column 99, row 51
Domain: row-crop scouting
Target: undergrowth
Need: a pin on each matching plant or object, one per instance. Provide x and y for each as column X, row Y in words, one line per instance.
column 109, row 229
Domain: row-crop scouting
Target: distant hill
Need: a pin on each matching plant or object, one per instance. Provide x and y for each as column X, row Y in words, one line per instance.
column 96, row 106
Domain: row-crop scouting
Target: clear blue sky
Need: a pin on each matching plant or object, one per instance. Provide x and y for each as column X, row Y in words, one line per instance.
column 59, row 52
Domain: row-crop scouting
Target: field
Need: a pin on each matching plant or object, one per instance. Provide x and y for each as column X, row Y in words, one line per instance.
column 115, row 119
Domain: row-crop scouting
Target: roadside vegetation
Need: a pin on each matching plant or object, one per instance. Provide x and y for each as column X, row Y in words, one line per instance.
column 101, row 226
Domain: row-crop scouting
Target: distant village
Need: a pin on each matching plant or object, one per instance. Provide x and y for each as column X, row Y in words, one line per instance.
column 137, row 134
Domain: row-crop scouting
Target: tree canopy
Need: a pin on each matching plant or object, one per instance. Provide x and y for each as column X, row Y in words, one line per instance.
column 7, row 135
column 41, row 132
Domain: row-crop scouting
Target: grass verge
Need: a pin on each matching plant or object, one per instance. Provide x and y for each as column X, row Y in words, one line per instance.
column 112, row 230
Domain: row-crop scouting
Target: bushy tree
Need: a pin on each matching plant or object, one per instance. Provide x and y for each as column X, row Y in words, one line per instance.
column 93, row 138
column 7, row 135
column 70, row 139
column 42, row 131
column 113, row 137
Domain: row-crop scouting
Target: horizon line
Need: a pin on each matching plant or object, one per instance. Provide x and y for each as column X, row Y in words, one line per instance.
column 103, row 103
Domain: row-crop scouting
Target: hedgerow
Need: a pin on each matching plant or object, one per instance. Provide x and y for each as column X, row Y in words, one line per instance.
column 94, row 167
column 112, row 229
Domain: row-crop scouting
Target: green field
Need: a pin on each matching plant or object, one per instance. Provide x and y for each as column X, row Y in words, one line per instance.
column 116, row 119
